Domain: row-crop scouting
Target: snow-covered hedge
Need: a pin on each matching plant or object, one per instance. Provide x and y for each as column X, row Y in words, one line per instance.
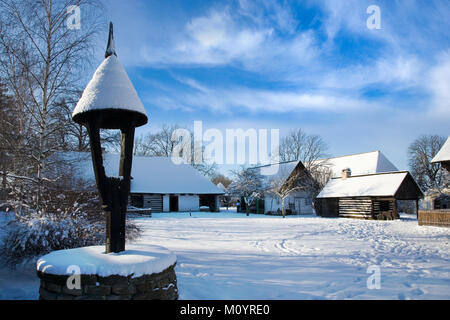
column 34, row 235
column 31, row 236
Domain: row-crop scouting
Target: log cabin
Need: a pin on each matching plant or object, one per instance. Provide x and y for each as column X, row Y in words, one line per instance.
column 371, row 196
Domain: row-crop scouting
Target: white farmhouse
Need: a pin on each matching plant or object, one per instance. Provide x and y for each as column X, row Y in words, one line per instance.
column 158, row 183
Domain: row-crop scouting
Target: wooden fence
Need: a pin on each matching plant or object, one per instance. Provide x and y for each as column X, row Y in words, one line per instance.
column 439, row 218
column 139, row 211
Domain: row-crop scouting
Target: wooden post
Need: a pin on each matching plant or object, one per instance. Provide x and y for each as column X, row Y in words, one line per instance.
column 396, row 215
column 117, row 227
column 113, row 191
column 97, row 162
column 417, row 208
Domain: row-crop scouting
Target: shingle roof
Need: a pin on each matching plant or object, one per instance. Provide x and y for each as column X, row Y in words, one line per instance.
column 109, row 88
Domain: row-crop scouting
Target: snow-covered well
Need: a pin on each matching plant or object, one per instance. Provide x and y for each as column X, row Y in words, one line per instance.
column 140, row 272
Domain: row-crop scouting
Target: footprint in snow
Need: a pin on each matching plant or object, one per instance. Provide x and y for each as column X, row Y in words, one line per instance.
column 417, row 292
column 407, row 284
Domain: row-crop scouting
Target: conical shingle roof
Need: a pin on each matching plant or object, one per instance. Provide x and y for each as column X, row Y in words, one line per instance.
column 110, row 89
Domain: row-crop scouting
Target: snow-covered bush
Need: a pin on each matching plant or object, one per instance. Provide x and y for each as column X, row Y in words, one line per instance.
column 66, row 214
column 72, row 219
column 33, row 235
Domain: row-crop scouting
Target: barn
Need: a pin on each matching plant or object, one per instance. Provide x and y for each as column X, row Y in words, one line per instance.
column 371, row 196
column 157, row 182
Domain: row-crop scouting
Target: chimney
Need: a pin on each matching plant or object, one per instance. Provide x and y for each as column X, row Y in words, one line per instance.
column 346, row 173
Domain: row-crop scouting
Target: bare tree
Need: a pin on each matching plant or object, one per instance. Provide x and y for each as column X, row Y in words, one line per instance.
column 157, row 144
column 420, row 154
column 220, row 178
column 298, row 145
column 311, row 151
column 8, row 136
column 42, row 61
column 162, row 144
column 285, row 182
column 248, row 183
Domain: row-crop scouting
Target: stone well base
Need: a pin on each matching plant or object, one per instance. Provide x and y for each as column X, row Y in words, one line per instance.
column 142, row 272
column 159, row 286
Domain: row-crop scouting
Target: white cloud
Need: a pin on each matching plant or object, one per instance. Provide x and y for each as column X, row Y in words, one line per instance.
column 235, row 99
column 242, row 37
column 439, row 85
column 396, row 71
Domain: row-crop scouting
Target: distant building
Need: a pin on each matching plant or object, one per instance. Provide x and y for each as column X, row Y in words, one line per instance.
column 443, row 156
column 301, row 202
column 370, row 196
column 436, row 199
column 158, row 183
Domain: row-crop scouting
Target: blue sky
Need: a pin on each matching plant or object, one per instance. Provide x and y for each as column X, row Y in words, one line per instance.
column 292, row 64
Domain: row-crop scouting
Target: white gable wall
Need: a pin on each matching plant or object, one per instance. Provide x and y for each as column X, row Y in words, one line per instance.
column 301, row 201
column 166, row 203
column 189, row 203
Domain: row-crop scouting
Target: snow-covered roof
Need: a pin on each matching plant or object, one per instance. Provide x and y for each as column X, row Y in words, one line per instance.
column 136, row 261
column 359, row 164
column 373, row 185
column 110, row 88
column 444, row 153
column 221, row 186
column 157, row 175
column 278, row 172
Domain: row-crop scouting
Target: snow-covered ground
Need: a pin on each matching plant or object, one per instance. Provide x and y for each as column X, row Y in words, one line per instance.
column 230, row 256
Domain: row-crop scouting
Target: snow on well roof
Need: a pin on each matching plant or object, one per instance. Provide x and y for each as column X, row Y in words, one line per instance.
column 110, row 88
column 444, row 153
column 359, row 164
column 157, row 175
column 373, row 185
column 137, row 260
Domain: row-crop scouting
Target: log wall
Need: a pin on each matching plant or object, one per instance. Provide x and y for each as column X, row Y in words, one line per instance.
column 355, row 208
column 154, row 202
